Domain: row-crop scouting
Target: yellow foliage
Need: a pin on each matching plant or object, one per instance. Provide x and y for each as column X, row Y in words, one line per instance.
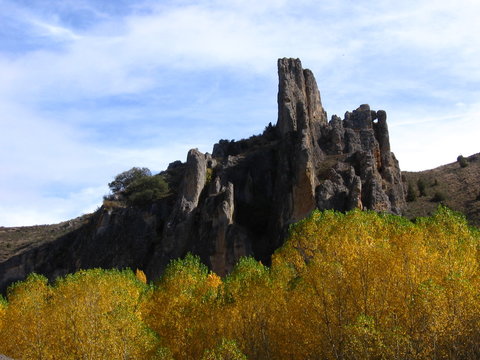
column 225, row 350
column 141, row 276
column 92, row 314
column 3, row 310
column 25, row 333
column 98, row 312
column 373, row 286
column 359, row 285
column 213, row 280
column 184, row 310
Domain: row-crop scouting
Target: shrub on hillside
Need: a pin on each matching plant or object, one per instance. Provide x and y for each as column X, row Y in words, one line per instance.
column 137, row 187
column 124, row 179
column 462, row 161
column 411, row 194
column 146, row 190
column 421, row 187
column 438, row 197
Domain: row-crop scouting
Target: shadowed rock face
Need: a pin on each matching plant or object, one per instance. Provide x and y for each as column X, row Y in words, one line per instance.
column 240, row 200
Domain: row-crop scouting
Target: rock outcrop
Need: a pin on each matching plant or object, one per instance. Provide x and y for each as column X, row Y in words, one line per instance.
column 240, row 200
column 364, row 172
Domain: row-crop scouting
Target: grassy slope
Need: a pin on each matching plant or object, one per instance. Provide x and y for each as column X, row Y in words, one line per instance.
column 460, row 187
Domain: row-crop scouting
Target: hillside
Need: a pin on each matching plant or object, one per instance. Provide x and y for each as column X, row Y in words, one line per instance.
column 455, row 186
column 15, row 240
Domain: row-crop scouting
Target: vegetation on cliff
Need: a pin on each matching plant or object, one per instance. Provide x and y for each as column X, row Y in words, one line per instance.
column 359, row 285
column 137, row 187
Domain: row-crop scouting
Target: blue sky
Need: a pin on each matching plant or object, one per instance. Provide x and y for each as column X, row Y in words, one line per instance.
column 90, row 88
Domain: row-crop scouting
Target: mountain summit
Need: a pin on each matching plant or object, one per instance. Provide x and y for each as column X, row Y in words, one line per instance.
column 241, row 199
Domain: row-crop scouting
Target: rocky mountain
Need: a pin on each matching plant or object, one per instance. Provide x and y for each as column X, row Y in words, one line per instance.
column 455, row 185
column 241, row 199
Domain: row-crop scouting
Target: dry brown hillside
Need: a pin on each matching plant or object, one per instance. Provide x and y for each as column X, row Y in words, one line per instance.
column 454, row 185
column 15, row 240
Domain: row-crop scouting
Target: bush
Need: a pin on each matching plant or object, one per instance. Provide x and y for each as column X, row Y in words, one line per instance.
column 146, row 190
column 209, row 176
column 136, row 187
column 462, row 161
column 124, row 179
column 411, row 194
column 438, row 197
column 421, row 187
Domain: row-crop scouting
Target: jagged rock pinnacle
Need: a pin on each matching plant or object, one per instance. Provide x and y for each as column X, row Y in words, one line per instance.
column 299, row 103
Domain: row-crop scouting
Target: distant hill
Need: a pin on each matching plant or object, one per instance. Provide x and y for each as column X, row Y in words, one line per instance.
column 454, row 185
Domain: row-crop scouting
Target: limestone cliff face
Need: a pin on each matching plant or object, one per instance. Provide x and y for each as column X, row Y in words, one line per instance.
column 300, row 118
column 240, row 200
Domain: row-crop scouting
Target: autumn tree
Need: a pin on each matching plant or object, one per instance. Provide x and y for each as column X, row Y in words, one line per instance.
column 26, row 333
column 98, row 313
column 92, row 314
column 183, row 308
column 378, row 286
column 246, row 291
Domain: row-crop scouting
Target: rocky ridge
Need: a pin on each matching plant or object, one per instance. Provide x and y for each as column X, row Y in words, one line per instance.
column 240, row 199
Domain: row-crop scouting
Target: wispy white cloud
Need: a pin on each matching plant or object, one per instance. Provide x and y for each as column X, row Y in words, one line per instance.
column 106, row 86
column 53, row 174
column 54, row 31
